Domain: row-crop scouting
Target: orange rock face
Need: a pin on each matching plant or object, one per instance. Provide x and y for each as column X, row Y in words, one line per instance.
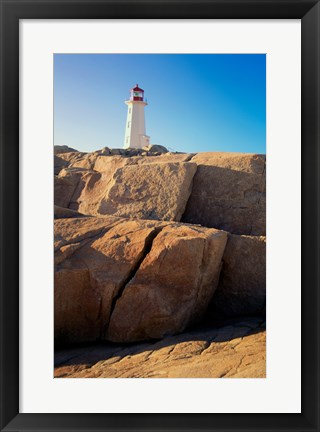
column 149, row 191
column 157, row 191
column 242, row 286
column 149, row 243
column 92, row 265
column 233, row 350
column 229, row 193
column 152, row 278
column 173, row 285
column 217, row 190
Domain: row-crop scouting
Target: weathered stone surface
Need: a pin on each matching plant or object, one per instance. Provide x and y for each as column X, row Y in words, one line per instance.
column 173, row 285
column 58, row 149
column 63, row 191
column 228, row 188
column 83, row 160
column 68, row 186
column 75, row 159
column 111, row 164
column 68, row 232
column 243, row 162
column 242, row 286
column 82, row 181
column 152, row 278
column 93, row 185
column 90, row 190
column 104, row 151
column 61, row 213
column 150, row 191
column 86, row 161
column 117, row 151
column 229, row 193
column 122, row 187
column 236, row 349
column 164, row 158
column 59, row 164
column 71, row 157
column 155, row 148
column 90, row 187
column 93, row 258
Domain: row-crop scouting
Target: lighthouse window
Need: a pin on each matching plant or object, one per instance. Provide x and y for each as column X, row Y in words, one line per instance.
column 128, row 124
column 129, row 110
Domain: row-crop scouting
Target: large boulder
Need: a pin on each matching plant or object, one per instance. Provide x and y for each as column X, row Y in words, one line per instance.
column 242, row 286
column 87, row 195
column 149, row 191
column 88, row 160
column 152, row 278
column 83, row 190
column 59, row 164
column 68, row 186
column 125, row 187
column 72, row 232
column 111, row 163
column 155, row 148
column 94, row 258
column 63, row 191
column 58, row 149
column 229, row 193
column 117, row 151
column 104, row 151
column 71, row 158
column 172, row 287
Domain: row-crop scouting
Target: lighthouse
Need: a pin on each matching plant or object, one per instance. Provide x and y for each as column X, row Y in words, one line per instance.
column 135, row 134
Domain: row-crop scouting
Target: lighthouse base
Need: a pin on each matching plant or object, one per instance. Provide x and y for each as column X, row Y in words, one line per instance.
column 143, row 141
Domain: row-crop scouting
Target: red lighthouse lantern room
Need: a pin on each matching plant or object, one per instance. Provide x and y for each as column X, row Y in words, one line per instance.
column 136, row 93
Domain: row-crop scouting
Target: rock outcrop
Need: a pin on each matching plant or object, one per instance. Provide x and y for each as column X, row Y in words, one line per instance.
column 155, row 148
column 68, row 186
column 236, row 349
column 229, row 193
column 147, row 244
column 146, row 191
column 173, row 285
column 58, row 149
column 242, row 286
column 149, row 191
column 63, row 191
column 223, row 190
column 59, row 164
column 91, row 270
column 62, row 213
column 173, row 270
column 111, row 164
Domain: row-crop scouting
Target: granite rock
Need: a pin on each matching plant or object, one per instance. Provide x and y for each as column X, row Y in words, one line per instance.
column 229, row 193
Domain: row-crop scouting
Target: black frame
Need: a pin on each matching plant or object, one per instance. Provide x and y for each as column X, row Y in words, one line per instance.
column 11, row 11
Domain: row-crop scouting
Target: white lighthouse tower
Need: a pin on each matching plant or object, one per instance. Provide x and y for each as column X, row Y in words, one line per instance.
column 135, row 135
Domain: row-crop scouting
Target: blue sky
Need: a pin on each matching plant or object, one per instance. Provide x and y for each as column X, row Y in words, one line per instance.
column 197, row 102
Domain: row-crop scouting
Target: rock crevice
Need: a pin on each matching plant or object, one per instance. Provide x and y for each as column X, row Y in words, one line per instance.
column 147, row 248
column 132, row 280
